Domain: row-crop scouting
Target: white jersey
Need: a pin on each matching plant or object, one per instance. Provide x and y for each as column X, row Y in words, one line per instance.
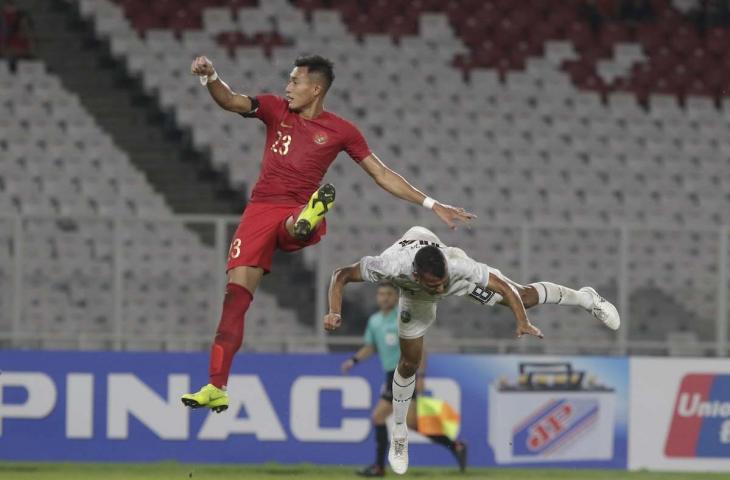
column 395, row 264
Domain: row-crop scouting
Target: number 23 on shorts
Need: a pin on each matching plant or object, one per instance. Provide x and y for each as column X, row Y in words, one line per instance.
column 235, row 249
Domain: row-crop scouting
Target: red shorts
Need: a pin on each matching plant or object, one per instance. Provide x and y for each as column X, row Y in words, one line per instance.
column 262, row 231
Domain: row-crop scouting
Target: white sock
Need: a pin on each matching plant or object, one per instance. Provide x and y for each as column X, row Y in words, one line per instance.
column 402, row 393
column 554, row 294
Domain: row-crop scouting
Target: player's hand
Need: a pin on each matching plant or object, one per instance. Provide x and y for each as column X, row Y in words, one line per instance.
column 527, row 328
column 346, row 366
column 202, row 66
column 332, row 321
column 449, row 215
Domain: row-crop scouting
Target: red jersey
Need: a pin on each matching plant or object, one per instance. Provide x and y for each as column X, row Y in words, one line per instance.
column 299, row 151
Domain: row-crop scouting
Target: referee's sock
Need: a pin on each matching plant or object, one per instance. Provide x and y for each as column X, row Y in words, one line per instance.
column 229, row 336
column 442, row 440
column 381, row 445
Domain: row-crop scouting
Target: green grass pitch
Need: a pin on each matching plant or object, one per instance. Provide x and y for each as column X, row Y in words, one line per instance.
column 177, row 471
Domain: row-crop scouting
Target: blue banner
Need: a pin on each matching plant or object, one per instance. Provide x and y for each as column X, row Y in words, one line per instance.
column 105, row 406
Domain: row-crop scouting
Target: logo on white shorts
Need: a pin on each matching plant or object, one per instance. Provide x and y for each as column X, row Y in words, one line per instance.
column 405, row 316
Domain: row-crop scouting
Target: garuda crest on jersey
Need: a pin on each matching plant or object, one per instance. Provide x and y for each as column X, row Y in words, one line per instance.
column 320, row 138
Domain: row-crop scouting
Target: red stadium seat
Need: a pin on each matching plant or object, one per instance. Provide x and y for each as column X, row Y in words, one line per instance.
column 361, row 25
column 487, row 13
column 522, row 19
column 684, row 40
column 505, row 5
column 607, row 8
column 231, row 40
column 146, row 21
column 184, row 20
column 401, row 25
column 717, row 40
column 681, row 77
column 504, row 33
column 660, row 5
column 652, row 37
column 507, row 33
column 662, row 61
column 163, row 7
column 699, row 61
column 545, row 31
column 458, row 11
column 472, row 32
column 349, row 10
column 236, row 4
column 578, row 69
column 310, row 5
column 612, row 34
column 698, row 87
column 580, row 34
column 383, row 9
column 665, row 86
column 715, row 79
column 425, row 5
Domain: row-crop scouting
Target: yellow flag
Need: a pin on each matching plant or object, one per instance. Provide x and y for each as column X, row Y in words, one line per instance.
column 436, row 417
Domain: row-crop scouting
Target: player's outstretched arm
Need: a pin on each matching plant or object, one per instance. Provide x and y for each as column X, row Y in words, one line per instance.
column 395, row 184
column 514, row 302
column 341, row 277
column 219, row 90
column 363, row 354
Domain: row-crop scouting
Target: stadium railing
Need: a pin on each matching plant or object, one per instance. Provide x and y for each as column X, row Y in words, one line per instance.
column 704, row 333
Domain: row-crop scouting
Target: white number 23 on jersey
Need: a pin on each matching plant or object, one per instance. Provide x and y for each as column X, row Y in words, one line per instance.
column 281, row 144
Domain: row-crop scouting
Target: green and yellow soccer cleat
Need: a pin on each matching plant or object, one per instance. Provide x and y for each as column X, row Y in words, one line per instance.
column 209, row 396
column 319, row 204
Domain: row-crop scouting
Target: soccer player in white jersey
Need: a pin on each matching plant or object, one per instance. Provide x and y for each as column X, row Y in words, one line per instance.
column 426, row 270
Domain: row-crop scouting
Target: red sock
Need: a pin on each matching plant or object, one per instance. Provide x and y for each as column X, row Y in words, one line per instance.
column 229, row 336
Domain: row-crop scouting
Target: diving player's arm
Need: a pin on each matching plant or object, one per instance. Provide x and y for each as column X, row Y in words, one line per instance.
column 512, row 299
column 394, row 183
column 363, row 354
column 226, row 98
column 341, row 277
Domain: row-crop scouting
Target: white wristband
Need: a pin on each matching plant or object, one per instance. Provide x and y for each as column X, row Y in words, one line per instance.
column 206, row 79
column 428, row 202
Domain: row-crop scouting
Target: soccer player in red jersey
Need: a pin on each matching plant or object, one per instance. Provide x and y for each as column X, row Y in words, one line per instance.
column 287, row 205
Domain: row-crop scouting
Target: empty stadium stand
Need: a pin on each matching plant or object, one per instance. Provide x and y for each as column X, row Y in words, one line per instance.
column 580, row 140
column 68, row 179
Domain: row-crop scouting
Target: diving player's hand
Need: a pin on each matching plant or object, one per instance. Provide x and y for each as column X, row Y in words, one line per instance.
column 332, row 321
column 449, row 214
column 526, row 328
column 202, row 67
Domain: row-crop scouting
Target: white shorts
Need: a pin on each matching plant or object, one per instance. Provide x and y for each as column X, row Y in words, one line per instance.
column 415, row 316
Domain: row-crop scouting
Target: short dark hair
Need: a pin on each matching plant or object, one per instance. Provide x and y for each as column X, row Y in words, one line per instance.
column 430, row 259
column 319, row 65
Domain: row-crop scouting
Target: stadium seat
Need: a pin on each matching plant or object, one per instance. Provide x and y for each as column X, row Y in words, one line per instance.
column 607, row 156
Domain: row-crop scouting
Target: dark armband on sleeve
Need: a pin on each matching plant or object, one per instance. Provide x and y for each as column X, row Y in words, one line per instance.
column 254, row 107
